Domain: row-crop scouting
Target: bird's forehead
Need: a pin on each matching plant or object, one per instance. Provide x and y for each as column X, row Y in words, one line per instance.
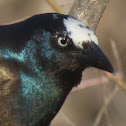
column 79, row 32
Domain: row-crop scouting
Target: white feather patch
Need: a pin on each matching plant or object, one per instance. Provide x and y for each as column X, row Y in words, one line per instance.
column 79, row 32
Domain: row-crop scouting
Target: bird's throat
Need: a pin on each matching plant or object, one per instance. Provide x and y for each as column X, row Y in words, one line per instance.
column 36, row 100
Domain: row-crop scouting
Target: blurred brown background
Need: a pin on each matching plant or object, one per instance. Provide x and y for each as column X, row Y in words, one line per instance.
column 82, row 107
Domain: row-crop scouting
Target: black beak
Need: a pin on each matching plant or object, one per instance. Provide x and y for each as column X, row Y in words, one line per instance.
column 93, row 56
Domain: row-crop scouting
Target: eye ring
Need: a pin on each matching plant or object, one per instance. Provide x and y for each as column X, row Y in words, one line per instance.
column 62, row 41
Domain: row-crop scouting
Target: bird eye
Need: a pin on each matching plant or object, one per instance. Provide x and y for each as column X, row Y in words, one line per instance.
column 62, row 42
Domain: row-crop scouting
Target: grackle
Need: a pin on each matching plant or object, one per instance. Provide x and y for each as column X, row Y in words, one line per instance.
column 43, row 58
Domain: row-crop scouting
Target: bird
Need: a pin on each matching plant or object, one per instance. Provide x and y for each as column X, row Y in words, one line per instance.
column 42, row 58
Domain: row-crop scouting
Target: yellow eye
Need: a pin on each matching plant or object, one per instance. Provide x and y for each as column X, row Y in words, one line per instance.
column 62, row 42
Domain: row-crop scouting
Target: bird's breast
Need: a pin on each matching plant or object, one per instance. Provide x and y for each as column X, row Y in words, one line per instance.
column 35, row 99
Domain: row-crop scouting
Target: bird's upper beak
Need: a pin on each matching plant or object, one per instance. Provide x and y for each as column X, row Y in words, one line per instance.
column 93, row 56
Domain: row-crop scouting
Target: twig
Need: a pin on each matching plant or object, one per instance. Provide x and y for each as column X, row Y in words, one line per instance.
column 116, row 55
column 106, row 103
column 70, row 122
column 106, row 111
column 55, row 6
column 93, row 82
column 117, row 80
column 90, row 83
column 107, row 117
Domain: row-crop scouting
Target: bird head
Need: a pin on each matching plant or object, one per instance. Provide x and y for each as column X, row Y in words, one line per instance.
column 76, row 42
column 60, row 45
column 69, row 46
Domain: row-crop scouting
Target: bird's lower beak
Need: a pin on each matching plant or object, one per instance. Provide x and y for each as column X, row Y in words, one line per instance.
column 94, row 57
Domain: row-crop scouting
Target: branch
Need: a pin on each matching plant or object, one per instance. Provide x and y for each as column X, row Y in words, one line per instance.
column 89, row 11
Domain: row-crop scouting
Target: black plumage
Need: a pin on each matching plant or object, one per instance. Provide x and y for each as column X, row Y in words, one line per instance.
column 43, row 58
